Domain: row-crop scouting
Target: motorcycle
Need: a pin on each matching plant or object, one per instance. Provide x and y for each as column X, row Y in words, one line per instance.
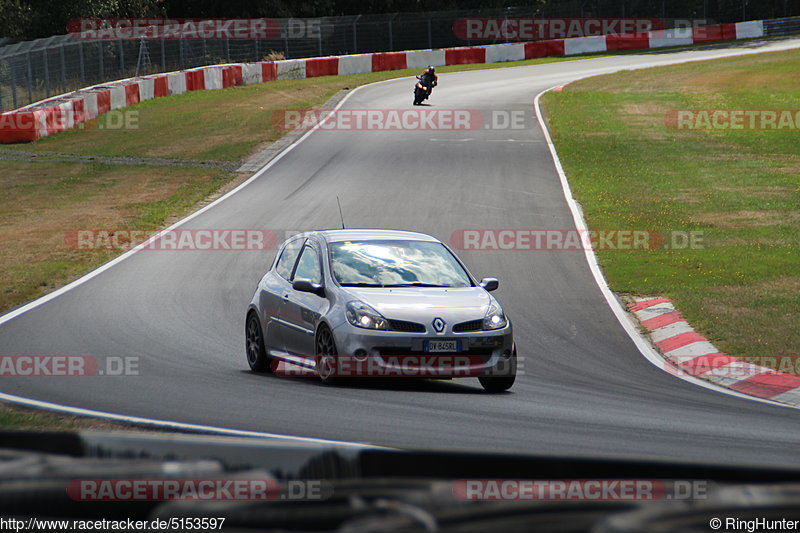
column 422, row 91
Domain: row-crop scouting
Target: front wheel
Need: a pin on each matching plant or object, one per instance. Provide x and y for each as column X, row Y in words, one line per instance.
column 502, row 382
column 257, row 356
column 325, row 354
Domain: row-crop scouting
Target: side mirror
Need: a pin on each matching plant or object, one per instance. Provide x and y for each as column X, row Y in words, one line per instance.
column 490, row 284
column 304, row 285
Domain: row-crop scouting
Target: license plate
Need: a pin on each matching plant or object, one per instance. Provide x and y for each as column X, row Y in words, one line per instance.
column 443, row 346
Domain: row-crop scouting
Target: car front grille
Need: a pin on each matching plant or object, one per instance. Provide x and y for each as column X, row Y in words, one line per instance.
column 472, row 325
column 399, row 351
column 402, row 325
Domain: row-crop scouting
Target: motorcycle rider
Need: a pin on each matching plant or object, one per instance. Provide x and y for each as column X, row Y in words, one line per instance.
column 429, row 79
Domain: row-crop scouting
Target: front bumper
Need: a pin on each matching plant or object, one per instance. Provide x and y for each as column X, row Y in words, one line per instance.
column 402, row 354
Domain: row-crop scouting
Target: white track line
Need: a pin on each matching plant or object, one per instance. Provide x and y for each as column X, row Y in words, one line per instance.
column 169, row 424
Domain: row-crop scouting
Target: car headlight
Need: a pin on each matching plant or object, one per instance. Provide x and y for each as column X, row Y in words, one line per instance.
column 361, row 315
column 495, row 318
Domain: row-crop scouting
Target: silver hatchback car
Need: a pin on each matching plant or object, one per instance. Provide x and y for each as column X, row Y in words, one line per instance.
column 368, row 303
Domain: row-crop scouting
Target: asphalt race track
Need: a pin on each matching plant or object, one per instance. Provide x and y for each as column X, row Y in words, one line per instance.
column 586, row 389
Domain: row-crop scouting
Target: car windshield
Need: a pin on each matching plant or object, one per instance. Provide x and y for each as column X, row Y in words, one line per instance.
column 396, row 264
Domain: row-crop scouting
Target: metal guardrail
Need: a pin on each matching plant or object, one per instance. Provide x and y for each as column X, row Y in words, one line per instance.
column 784, row 26
column 33, row 70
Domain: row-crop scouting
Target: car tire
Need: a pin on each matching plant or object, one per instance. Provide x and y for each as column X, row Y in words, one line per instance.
column 504, row 382
column 325, row 354
column 257, row 356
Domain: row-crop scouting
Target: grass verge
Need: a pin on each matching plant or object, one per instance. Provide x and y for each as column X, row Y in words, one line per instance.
column 739, row 189
column 17, row 418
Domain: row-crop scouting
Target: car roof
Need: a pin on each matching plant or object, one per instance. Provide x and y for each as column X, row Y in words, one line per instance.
column 339, row 235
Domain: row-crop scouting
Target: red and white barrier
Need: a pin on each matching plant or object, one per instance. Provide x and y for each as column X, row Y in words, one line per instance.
column 422, row 58
column 64, row 112
column 291, row 69
column 389, row 61
column 118, row 96
column 584, row 45
column 750, row 29
column 628, row 41
column 322, row 66
column 687, row 353
column 465, row 55
column 212, row 78
column 251, row 73
column 176, row 81
column 90, row 105
column 146, row 89
column 500, row 53
column 355, row 64
column 673, row 37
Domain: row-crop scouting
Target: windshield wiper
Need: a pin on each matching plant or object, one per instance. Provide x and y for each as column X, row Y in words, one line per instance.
column 362, row 284
column 417, row 284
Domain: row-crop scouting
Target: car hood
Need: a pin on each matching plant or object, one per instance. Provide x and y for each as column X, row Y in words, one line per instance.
column 418, row 304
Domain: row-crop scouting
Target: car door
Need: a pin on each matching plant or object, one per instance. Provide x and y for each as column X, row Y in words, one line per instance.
column 272, row 288
column 303, row 309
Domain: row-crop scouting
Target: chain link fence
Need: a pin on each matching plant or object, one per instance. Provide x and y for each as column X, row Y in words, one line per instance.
column 33, row 70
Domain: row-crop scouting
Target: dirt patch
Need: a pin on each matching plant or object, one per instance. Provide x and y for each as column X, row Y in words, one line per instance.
column 786, row 284
column 746, row 219
column 647, row 116
column 741, row 80
column 774, row 192
column 691, row 196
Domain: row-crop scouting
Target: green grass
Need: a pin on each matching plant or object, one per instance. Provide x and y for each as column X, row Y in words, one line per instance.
column 739, row 189
column 17, row 418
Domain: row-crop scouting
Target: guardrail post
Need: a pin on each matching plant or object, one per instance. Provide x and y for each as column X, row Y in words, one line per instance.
column 227, row 50
column 81, row 63
column 30, row 79
column 46, row 73
column 121, row 58
column 391, row 37
column 355, row 34
column 102, row 62
column 163, row 56
column 258, row 53
column 430, row 34
column 63, row 69
column 13, row 84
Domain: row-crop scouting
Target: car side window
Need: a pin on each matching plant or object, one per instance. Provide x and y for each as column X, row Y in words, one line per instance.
column 308, row 266
column 288, row 258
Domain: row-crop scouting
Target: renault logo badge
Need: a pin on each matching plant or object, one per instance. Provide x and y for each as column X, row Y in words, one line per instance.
column 438, row 325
